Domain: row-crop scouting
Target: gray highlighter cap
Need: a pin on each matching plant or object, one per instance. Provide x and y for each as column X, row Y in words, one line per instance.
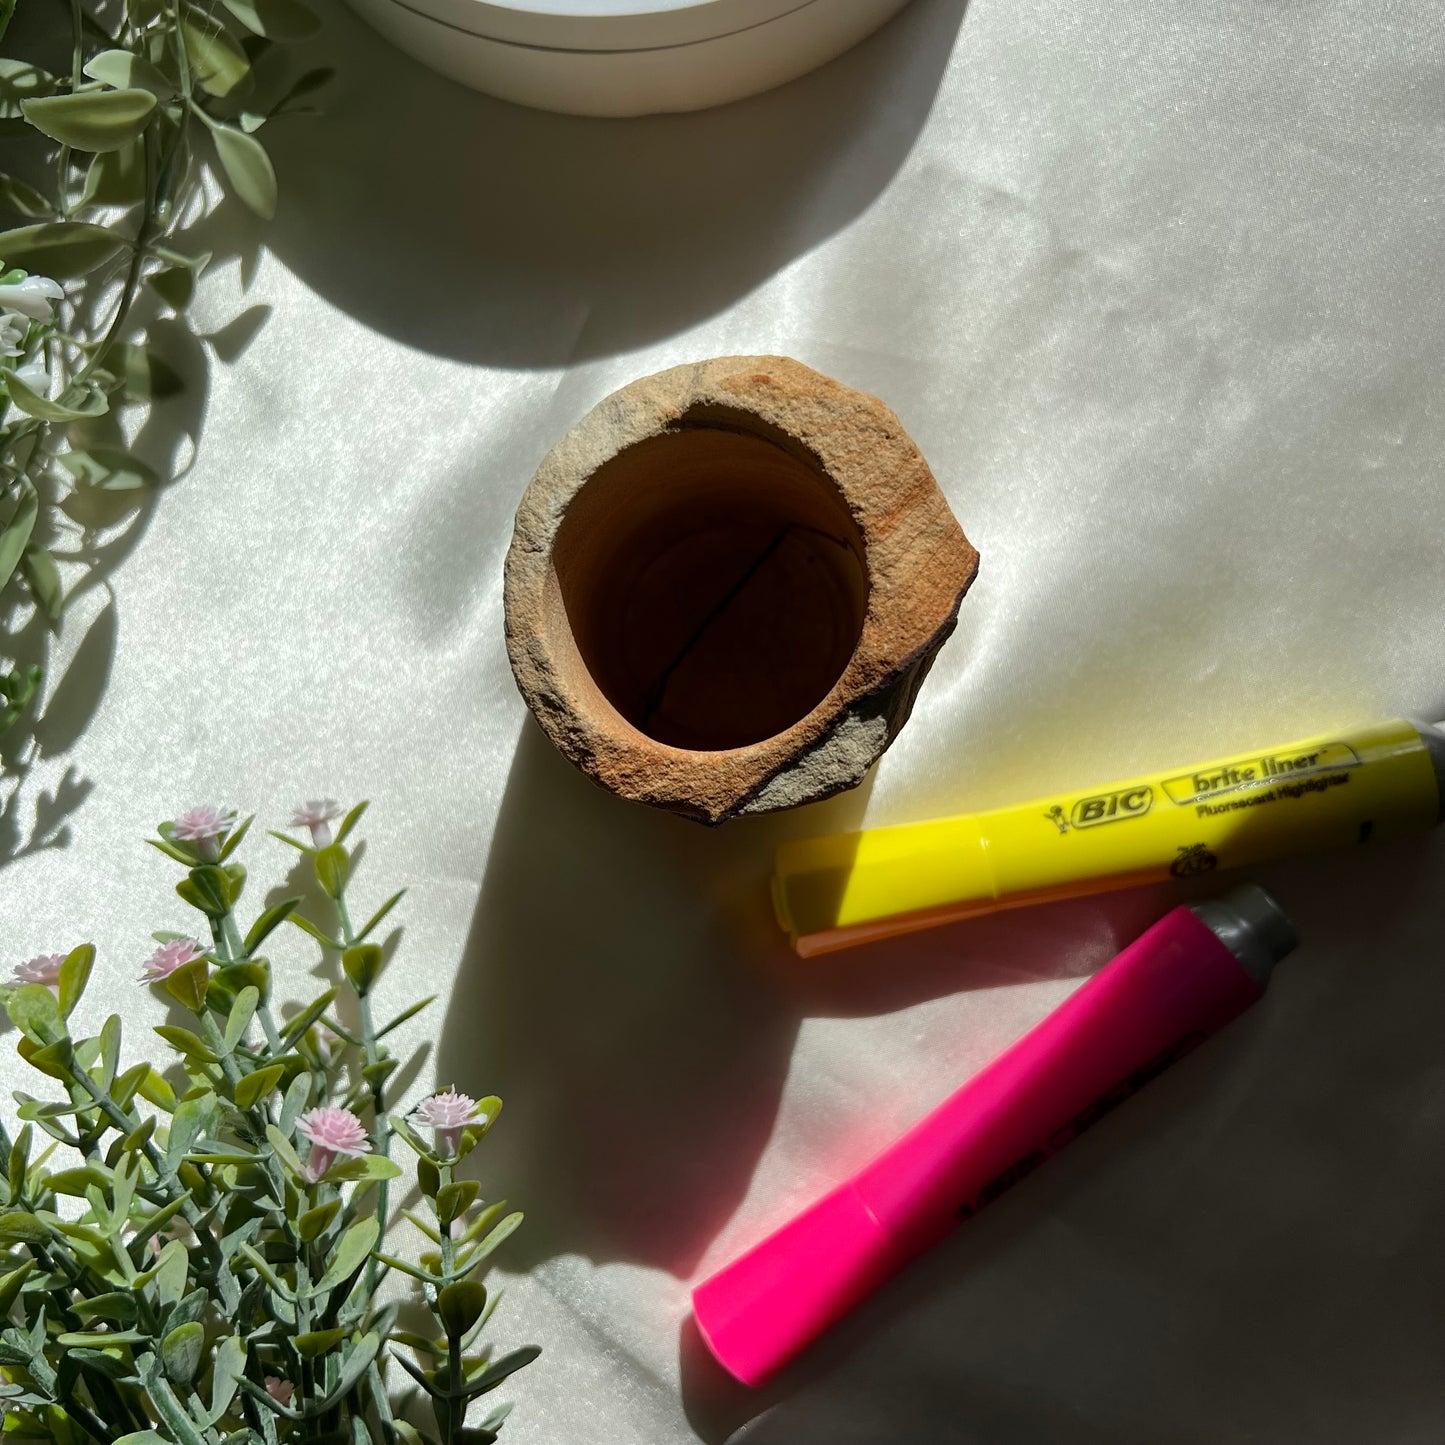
column 1252, row 926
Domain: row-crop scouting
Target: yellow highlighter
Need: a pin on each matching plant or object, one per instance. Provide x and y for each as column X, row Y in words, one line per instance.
column 1370, row 783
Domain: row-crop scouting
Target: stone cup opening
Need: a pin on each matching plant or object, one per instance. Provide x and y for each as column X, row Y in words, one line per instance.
column 712, row 581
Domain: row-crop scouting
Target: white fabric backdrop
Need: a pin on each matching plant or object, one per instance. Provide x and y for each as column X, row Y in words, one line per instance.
column 1157, row 288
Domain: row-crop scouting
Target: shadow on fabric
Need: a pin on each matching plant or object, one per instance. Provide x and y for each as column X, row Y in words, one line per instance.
column 1246, row 1227
column 477, row 229
column 627, row 992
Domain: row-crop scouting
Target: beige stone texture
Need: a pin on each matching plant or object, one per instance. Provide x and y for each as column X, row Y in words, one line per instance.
column 726, row 585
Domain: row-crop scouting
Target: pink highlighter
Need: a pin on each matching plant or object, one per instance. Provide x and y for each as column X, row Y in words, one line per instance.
column 1189, row 975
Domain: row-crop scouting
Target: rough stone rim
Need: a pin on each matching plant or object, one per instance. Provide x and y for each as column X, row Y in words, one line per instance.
column 913, row 597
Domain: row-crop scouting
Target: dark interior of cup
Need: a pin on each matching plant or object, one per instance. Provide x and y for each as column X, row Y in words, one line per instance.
column 713, row 581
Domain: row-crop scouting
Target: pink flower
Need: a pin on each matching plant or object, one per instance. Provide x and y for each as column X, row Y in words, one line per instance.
column 280, row 1390
column 447, row 1114
column 204, row 826
column 331, row 1131
column 318, row 816
column 43, row 968
column 169, row 957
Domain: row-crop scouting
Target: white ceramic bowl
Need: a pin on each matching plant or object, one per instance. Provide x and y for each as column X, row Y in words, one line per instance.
column 624, row 57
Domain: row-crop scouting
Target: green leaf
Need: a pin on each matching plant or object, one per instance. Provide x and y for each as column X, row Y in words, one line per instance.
column 119, row 1306
column 381, row 913
column 313, row 1223
column 110, row 1032
column 54, row 1059
column 96, row 120
column 453, row 1200
column 287, row 1155
column 181, row 1353
column 60, row 249
column 170, row 1273
column 350, row 1254
column 116, row 178
column 460, row 1306
column 74, row 975
column 125, row 1087
column 254, row 1087
column 483, row 1221
column 43, row 579
column 275, row 19
column 368, row 1166
column 405, row 1014
column 94, row 402
column 495, row 1373
column 10, row 1285
column 34, row 1011
column 17, row 1226
column 125, row 70
column 297, row 1026
column 306, row 926
column 146, row 1228
column 248, row 168
column 85, row 1339
column 140, row 1136
column 298, row 1095
column 351, row 820
column 403, row 1130
column 353, row 1367
column 187, row 985
column 16, row 536
column 172, row 1414
column 191, row 1119
column 234, row 837
column 157, row 1091
column 114, row 470
column 426, row 1380
column 401, row 1265
column 506, row 1228
column 21, row 81
column 332, row 866
column 317, row 1342
column 226, row 1371
column 19, row 1161
column 189, row 1044
column 77, row 1181
column 242, row 1012
column 25, row 200
column 209, row 890
column 255, row 973
column 428, row 1178
column 218, row 64
column 416, row 1342
column 141, row 1437
column 361, row 963
column 164, row 845
column 271, row 919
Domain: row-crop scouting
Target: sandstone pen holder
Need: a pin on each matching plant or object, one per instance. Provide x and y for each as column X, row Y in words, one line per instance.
column 726, row 585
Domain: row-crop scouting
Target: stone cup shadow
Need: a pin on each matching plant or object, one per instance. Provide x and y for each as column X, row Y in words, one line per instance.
column 626, row 991
column 492, row 233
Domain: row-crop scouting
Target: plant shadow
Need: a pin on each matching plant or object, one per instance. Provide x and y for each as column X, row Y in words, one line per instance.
column 557, row 238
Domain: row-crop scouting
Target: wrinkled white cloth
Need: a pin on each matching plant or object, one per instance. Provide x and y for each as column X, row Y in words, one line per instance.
column 1157, row 289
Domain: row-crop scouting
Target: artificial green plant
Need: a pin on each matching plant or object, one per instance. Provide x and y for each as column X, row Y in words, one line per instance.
column 108, row 158
column 208, row 1271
